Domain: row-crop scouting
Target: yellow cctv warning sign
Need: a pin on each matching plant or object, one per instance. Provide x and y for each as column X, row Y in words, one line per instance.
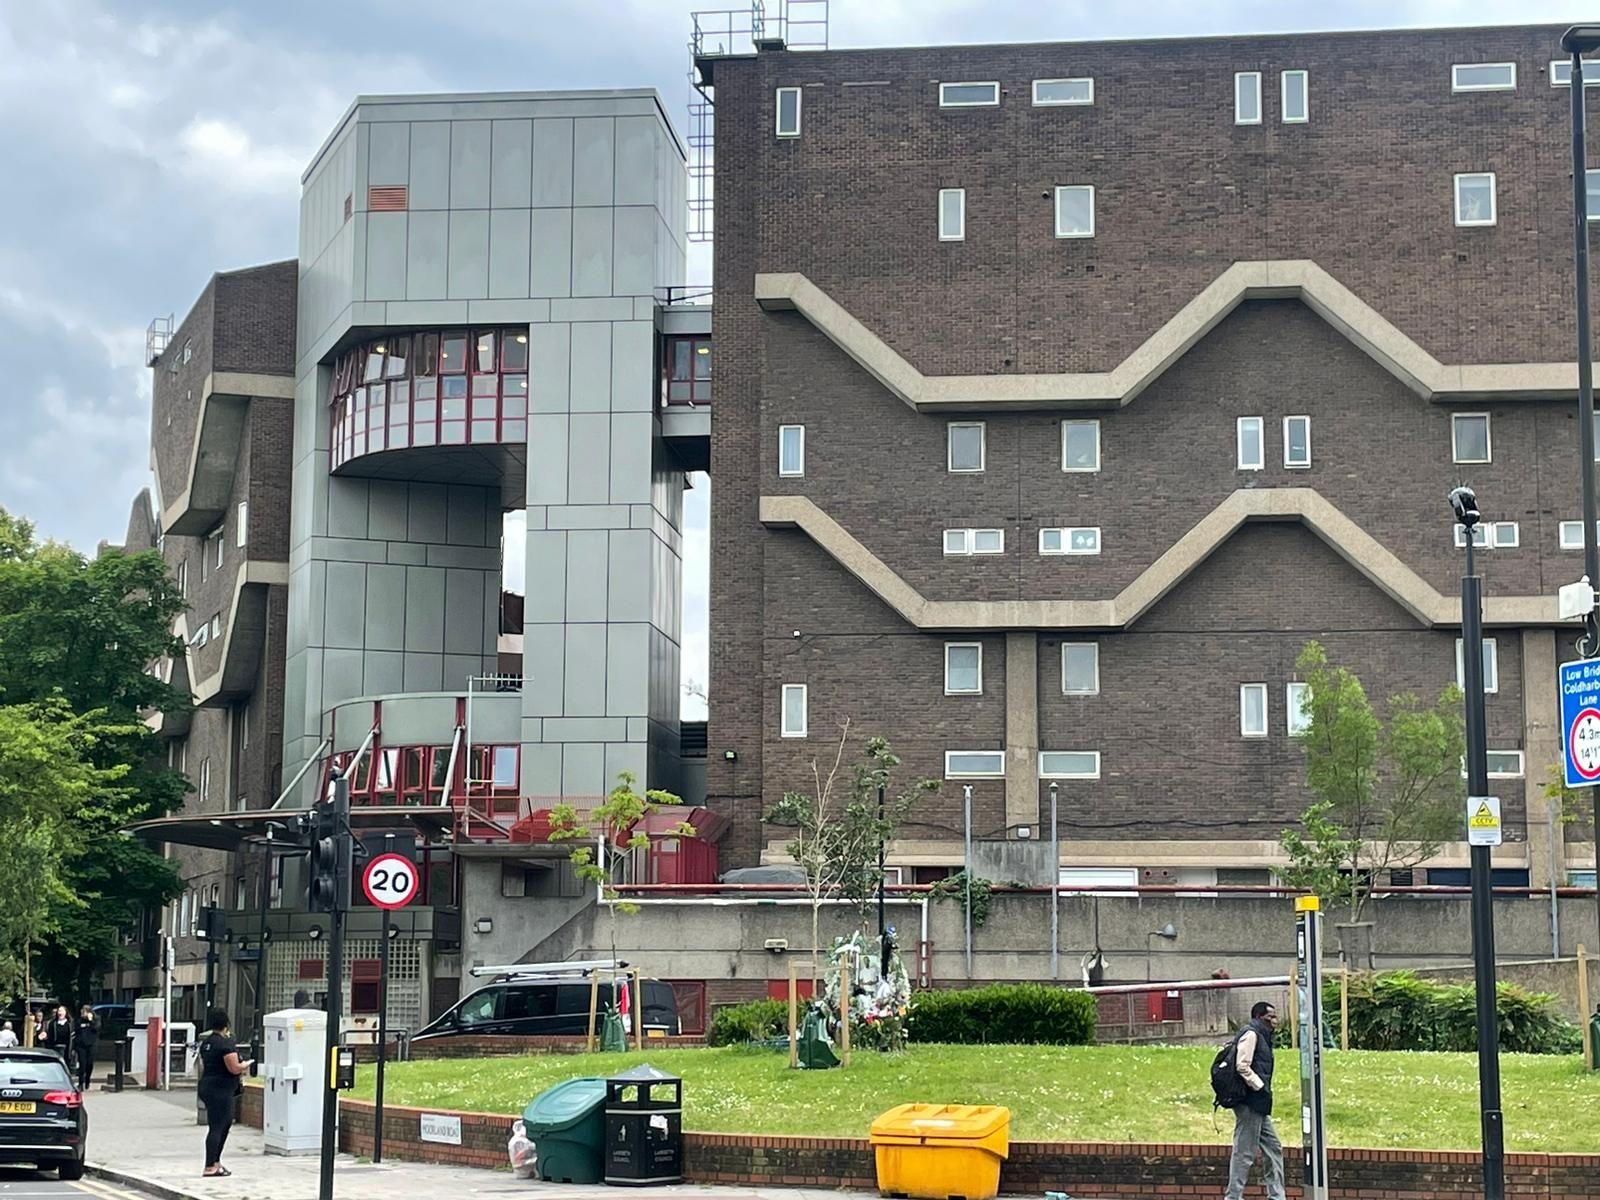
column 1483, row 820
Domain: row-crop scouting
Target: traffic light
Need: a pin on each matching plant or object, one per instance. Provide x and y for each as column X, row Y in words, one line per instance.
column 213, row 926
column 330, row 861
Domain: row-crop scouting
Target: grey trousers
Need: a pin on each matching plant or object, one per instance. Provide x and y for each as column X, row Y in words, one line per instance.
column 1252, row 1130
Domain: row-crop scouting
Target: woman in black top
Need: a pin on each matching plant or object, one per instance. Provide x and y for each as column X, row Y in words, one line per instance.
column 220, row 1069
column 58, row 1034
column 87, row 1036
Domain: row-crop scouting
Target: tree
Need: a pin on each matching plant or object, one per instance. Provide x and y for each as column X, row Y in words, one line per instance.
column 838, row 828
column 1388, row 796
column 82, row 633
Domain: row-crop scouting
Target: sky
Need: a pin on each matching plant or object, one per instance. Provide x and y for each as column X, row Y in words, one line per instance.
column 152, row 144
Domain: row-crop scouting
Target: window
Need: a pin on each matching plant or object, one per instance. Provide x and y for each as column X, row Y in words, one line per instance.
column 974, row 764
column 794, row 710
column 1505, row 764
column 1297, row 442
column 200, row 636
column 1469, row 438
column 788, row 118
column 1296, row 697
column 1496, row 535
column 1252, row 447
column 1069, row 764
column 974, row 541
column 216, row 625
column 183, row 578
column 183, row 914
column 1480, row 536
column 1561, row 72
column 241, row 523
column 1296, row 98
column 1252, row 710
column 969, row 95
column 963, row 668
column 964, row 446
column 1591, row 190
column 686, row 371
column 791, row 449
column 1063, row 91
column 214, row 542
column 1491, row 666
column 1504, row 535
column 1247, row 98
column 1475, row 198
column 188, row 346
column 1487, row 77
column 1075, row 211
column 205, row 779
column 952, row 214
column 1080, row 445
column 1080, row 668
column 1080, row 539
column 1571, row 534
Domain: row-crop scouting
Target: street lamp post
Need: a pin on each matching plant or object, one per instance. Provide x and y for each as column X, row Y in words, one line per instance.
column 1465, row 505
column 1577, row 41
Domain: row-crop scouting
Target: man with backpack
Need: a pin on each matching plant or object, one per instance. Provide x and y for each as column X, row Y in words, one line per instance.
column 1241, row 1076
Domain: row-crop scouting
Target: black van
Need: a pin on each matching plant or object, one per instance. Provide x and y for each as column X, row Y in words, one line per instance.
column 554, row 1007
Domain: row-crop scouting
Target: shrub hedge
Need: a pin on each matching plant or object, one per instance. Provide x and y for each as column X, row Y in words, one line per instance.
column 1397, row 1010
column 1004, row 1013
column 754, row 1021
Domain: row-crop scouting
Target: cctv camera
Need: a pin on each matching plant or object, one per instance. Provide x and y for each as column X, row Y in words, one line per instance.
column 1465, row 504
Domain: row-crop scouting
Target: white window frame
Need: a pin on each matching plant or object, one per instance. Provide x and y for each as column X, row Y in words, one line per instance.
column 800, row 451
column 1518, row 773
column 1064, row 538
column 217, row 537
column 1488, row 438
column 1494, row 200
column 1480, row 537
column 1496, row 531
column 949, row 447
column 959, row 233
column 241, row 523
column 1239, row 77
column 969, row 542
column 1569, row 534
column 1491, row 666
column 1591, row 72
column 216, row 625
column 955, row 691
column 1287, row 461
column 1294, row 705
column 1261, row 444
column 1094, row 688
column 777, row 112
column 784, row 728
column 1074, row 187
column 1591, row 191
column 1038, row 103
column 989, row 83
column 1457, row 86
column 997, row 774
column 1000, row 534
column 205, row 779
column 1266, row 717
column 1092, row 423
column 182, row 576
column 1092, row 773
column 1283, row 96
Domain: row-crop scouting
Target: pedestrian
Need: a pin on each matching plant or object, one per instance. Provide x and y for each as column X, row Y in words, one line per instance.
column 87, row 1037
column 220, row 1071
column 58, row 1034
column 37, row 1021
column 1252, row 1118
column 8, row 1038
column 302, row 998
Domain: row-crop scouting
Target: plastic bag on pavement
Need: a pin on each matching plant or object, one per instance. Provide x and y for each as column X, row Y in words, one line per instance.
column 524, row 1159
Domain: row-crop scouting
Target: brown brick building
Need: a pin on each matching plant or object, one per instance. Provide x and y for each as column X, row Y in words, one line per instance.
column 1065, row 391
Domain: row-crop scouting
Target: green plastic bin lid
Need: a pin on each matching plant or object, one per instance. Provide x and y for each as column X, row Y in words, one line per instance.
column 564, row 1105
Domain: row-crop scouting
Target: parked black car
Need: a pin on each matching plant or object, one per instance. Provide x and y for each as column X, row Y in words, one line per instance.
column 550, row 1007
column 42, row 1119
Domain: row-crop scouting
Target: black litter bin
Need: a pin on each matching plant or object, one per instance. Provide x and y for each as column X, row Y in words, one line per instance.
column 644, row 1127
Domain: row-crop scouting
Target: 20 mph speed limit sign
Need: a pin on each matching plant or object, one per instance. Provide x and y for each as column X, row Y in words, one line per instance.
column 390, row 881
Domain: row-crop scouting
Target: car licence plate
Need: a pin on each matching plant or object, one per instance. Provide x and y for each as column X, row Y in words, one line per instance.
column 17, row 1106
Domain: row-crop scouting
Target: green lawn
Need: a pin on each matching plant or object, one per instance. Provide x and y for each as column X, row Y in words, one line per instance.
column 1092, row 1093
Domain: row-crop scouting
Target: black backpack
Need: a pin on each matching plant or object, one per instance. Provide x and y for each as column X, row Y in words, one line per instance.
column 1228, row 1087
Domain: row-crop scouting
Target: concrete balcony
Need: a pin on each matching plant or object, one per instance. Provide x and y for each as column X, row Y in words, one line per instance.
column 224, row 665
column 220, row 429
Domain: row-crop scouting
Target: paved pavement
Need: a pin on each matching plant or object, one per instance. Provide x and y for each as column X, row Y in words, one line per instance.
column 149, row 1141
column 36, row 1185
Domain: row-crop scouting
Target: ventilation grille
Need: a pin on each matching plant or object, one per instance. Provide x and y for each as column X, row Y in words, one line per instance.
column 388, row 198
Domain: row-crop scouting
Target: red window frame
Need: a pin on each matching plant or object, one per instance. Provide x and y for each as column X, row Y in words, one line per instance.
column 683, row 381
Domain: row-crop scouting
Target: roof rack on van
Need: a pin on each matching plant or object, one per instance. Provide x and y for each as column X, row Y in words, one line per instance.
column 547, row 970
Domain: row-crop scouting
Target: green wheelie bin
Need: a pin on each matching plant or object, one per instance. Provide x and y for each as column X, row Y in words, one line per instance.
column 567, row 1124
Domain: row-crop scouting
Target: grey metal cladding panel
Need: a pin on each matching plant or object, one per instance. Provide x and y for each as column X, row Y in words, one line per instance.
column 346, row 605
column 591, row 366
column 423, row 672
column 294, row 694
column 341, row 676
column 629, row 571
column 585, row 671
column 630, row 756
column 631, row 445
column 550, row 272
column 427, row 255
column 425, row 590
column 386, row 608
column 388, row 154
column 594, row 153
column 384, row 673
column 386, row 510
column 463, row 611
column 418, row 720
column 511, row 165
column 469, row 254
column 347, row 508
column 497, row 718
column 584, row 729
column 589, row 458
column 634, row 246
column 386, row 256
column 583, row 769
column 543, row 670
column 636, row 160
column 541, row 770
column 665, row 677
column 632, row 366
column 628, row 670
column 465, row 525
column 548, row 436
column 551, row 367
column 591, row 251
column 428, row 517
column 317, row 603
column 509, row 243
column 458, row 668
column 588, row 566
column 469, row 164
column 429, row 187
column 545, row 586
column 552, row 163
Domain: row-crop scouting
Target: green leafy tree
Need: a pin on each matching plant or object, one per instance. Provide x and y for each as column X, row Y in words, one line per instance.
column 837, row 826
column 83, row 632
column 1388, row 795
